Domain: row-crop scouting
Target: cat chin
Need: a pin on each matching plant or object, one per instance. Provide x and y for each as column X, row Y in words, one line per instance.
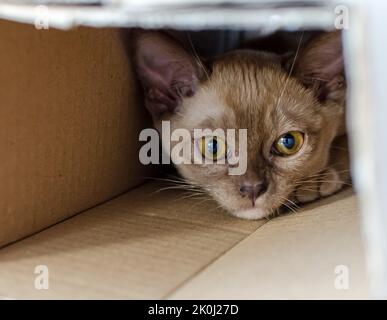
column 251, row 214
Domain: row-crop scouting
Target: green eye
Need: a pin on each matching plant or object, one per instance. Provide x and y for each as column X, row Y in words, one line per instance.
column 213, row 148
column 289, row 144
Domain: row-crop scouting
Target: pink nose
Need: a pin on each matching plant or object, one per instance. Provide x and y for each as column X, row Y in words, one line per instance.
column 253, row 191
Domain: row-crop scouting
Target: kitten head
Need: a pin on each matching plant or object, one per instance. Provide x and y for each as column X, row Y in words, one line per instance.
column 292, row 110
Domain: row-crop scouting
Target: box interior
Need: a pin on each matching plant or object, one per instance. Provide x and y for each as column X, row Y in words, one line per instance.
column 77, row 200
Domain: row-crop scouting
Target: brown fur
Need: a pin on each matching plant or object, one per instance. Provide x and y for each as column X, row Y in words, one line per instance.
column 251, row 90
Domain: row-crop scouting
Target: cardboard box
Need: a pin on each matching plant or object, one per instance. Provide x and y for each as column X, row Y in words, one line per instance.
column 69, row 111
column 70, row 115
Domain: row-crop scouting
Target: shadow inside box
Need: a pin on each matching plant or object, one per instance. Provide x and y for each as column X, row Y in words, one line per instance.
column 342, row 194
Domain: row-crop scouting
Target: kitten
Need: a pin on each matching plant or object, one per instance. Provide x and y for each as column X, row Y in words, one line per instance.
column 293, row 110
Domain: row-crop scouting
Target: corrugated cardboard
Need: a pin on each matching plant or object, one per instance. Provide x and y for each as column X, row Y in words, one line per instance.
column 298, row 256
column 143, row 244
column 69, row 122
column 179, row 247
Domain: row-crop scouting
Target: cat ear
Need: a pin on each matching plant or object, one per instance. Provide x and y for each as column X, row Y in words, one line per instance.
column 320, row 66
column 166, row 71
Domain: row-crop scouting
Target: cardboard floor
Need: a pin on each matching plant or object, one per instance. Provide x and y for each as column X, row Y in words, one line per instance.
column 160, row 242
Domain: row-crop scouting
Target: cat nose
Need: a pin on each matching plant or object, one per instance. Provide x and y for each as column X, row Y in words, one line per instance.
column 253, row 191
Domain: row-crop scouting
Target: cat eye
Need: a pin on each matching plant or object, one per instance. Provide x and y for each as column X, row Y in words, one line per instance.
column 212, row 147
column 288, row 144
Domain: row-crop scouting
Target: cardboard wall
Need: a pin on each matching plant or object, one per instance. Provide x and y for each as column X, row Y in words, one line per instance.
column 69, row 122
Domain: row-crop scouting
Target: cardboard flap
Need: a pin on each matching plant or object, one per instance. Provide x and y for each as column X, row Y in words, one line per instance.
column 314, row 254
column 129, row 247
column 69, row 123
column 181, row 247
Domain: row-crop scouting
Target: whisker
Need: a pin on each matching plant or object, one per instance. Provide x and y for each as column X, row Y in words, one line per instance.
column 330, row 181
column 291, row 70
column 198, row 60
column 289, row 207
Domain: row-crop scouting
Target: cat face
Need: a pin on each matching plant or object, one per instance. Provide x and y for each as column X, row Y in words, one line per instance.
column 290, row 125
